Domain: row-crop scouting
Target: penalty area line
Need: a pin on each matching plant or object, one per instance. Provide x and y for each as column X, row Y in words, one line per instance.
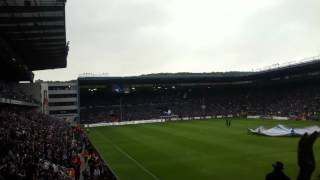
column 135, row 161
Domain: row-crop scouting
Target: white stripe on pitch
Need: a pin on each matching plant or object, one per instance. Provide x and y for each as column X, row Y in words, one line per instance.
column 135, row 161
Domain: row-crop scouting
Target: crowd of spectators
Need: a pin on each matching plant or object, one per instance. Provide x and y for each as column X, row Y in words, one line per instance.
column 297, row 102
column 36, row 146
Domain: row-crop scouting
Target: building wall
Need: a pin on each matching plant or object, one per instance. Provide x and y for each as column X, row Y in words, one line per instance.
column 63, row 100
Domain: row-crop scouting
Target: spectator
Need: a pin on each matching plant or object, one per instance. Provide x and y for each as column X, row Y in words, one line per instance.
column 277, row 173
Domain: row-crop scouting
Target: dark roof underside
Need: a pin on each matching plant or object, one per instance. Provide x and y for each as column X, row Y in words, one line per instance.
column 32, row 34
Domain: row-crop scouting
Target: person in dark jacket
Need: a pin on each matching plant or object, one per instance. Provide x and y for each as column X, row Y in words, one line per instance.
column 277, row 173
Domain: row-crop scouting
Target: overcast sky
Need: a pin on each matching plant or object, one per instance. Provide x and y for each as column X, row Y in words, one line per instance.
column 133, row 37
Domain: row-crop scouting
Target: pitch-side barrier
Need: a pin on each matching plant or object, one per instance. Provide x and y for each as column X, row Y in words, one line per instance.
column 163, row 119
column 124, row 123
column 175, row 118
column 268, row 117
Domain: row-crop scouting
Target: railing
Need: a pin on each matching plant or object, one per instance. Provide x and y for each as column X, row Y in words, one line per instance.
column 289, row 64
column 93, row 75
column 257, row 70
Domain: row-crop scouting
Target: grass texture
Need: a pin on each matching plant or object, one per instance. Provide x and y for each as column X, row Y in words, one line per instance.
column 197, row 149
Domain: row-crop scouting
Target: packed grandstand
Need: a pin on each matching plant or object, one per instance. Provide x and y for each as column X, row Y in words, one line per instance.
column 290, row 92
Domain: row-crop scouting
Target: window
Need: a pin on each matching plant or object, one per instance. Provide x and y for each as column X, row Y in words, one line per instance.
column 62, row 95
column 71, row 87
column 64, row 112
column 62, row 103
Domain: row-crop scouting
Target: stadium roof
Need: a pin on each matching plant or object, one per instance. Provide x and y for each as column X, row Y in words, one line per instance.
column 309, row 69
column 32, row 34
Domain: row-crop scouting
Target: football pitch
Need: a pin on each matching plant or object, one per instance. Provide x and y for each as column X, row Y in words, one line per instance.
column 197, row 149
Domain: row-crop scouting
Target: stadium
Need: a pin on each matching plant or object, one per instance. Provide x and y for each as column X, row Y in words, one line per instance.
column 192, row 149
column 219, row 125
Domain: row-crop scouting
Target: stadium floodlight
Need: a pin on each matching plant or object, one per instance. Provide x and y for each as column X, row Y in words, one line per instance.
column 93, row 90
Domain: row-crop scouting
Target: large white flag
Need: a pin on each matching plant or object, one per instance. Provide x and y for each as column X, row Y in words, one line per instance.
column 281, row 130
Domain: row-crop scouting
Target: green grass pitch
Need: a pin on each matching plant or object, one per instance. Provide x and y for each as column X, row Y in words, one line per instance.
column 198, row 149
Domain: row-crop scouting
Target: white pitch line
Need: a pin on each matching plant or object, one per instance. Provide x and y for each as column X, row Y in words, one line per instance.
column 135, row 161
